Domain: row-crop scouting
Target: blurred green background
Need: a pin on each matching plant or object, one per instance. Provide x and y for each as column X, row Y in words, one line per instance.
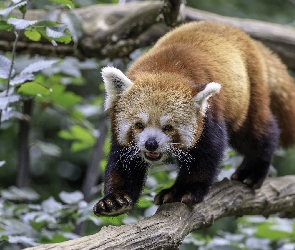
column 65, row 127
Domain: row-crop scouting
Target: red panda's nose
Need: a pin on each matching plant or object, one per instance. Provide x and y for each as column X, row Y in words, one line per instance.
column 151, row 144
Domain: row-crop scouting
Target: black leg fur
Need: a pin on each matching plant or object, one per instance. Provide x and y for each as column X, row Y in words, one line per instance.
column 124, row 179
column 196, row 177
column 258, row 152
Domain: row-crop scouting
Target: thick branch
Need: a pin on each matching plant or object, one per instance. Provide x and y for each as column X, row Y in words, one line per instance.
column 112, row 31
column 172, row 222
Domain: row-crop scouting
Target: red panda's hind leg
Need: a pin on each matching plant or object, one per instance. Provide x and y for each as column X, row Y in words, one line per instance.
column 258, row 151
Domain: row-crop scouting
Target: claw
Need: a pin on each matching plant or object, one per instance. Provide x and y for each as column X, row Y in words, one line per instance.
column 113, row 204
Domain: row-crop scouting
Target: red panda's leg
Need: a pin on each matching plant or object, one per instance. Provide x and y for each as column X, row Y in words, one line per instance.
column 124, row 179
column 196, row 176
column 258, row 149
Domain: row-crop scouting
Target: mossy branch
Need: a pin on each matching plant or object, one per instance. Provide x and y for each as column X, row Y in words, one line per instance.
column 113, row 31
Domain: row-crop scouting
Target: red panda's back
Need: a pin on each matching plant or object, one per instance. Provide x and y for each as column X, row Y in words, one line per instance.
column 200, row 51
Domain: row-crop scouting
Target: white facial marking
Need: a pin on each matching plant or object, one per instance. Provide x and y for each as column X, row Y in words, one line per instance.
column 123, row 128
column 186, row 134
column 164, row 119
column 202, row 97
column 144, row 117
column 151, row 132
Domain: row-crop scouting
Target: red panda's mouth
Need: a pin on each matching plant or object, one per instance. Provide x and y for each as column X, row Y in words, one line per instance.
column 152, row 156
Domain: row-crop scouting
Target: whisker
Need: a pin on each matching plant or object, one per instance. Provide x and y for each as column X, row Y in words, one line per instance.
column 127, row 154
column 183, row 156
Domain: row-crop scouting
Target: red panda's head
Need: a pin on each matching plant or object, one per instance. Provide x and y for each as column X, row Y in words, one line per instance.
column 158, row 113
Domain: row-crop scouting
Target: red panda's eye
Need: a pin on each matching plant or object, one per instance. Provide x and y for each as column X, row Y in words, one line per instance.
column 167, row 128
column 139, row 126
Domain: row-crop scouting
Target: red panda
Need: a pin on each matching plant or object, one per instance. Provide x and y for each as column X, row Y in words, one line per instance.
column 202, row 87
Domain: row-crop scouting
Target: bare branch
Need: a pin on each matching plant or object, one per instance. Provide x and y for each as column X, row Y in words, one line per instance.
column 113, row 31
column 172, row 222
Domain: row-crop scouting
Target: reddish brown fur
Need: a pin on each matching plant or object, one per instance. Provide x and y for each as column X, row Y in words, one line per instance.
column 282, row 95
column 172, row 81
column 248, row 72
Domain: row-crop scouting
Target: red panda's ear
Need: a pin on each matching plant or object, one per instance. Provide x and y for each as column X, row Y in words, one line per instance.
column 200, row 99
column 115, row 83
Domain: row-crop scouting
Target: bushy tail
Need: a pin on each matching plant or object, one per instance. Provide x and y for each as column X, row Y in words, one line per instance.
column 282, row 94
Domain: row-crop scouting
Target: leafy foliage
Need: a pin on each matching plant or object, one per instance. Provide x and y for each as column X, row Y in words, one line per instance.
column 29, row 224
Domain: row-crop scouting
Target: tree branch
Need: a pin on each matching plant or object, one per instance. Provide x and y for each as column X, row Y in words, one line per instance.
column 113, row 31
column 172, row 222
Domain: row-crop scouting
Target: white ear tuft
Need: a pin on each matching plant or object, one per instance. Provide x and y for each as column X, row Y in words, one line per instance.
column 115, row 83
column 200, row 100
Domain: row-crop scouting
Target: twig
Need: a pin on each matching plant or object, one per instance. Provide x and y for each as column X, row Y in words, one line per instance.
column 24, row 144
column 12, row 60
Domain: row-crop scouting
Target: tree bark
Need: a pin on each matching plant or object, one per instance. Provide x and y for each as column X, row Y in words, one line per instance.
column 113, row 31
column 172, row 222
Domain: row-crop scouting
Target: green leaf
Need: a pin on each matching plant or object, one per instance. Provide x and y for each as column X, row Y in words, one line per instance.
column 82, row 137
column 14, row 193
column 21, row 240
column 53, row 32
column 5, row 64
column 63, row 98
column 66, row 135
column 5, row 26
column 19, row 79
column 144, row 203
column 37, row 66
column 64, row 39
column 51, row 205
column 5, row 13
column 38, row 225
column 6, row 100
column 82, row 134
column 58, row 238
column 23, row 9
column 56, row 31
column 116, row 221
column 265, row 230
column 20, row 24
column 48, row 148
column 33, row 35
column 10, row 113
column 64, row 2
column 80, row 145
column 33, row 88
column 45, row 23
column 71, row 198
column 74, row 24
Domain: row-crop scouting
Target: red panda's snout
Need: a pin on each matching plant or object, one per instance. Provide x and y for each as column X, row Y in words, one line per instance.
column 153, row 144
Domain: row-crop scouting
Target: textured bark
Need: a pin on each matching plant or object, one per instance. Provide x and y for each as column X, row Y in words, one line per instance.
column 172, row 222
column 112, row 31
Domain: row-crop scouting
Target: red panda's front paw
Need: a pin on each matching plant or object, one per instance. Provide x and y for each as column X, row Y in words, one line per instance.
column 113, row 204
column 173, row 195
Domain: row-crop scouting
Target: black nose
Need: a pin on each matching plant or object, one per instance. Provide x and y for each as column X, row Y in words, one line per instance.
column 151, row 144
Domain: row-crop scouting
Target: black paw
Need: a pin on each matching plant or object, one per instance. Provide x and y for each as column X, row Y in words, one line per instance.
column 252, row 178
column 113, row 204
column 178, row 195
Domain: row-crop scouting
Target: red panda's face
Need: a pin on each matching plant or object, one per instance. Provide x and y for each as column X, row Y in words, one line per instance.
column 157, row 122
column 155, row 116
